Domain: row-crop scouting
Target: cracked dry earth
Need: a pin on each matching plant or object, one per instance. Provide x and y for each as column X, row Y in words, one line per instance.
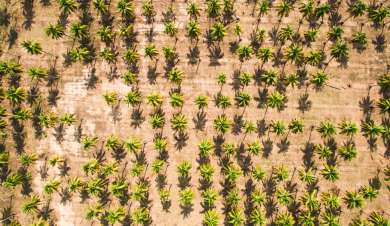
column 81, row 86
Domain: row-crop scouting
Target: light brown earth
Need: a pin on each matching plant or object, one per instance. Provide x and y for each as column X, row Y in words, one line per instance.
column 94, row 117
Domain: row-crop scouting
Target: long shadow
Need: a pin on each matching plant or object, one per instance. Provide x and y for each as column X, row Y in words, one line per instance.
column 200, row 120
column 28, row 13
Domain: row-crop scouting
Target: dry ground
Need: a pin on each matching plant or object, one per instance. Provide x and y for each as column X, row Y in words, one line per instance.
column 95, row 117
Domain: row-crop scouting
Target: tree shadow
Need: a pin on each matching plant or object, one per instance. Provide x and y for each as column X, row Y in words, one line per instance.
column 238, row 122
column 261, row 127
column 380, row 43
column 13, row 35
column 137, row 117
column 59, row 133
column 193, row 55
column 28, row 13
column 181, row 139
column 92, row 79
column 304, row 104
column 200, row 120
column 262, row 98
column 215, row 54
column 152, row 73
column 308, row 154
column 283, row 145
column 53, row 96
column 267, row 147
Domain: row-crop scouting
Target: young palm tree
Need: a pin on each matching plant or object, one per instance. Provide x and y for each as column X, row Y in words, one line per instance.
column 285, row 33
column 223, row 101
column 330, row 173
column 378, row 219
column 238, row 31
column 131, row 56
column 284, row 219
column 141, row 216
column 306, row 218
column 12, row 180
column 169, row 54
column 357, row 8
column 244, row 52
column 79, row 54
column 263, row 8
column 67, row 119
column 359, row 222
column 221, row 79
column 384, row 105
column 126, row 8
column 378, row 14
column 222, row 124
column 179, row 122
column 283, row 196
column 183, row 169
column 327, row 129
column 322, row 10
column 209, row 197
column 157, row 166
column 157, row 120
column 275, row 100
column 115, row 215
column 307, row 176
column 51, row 186
column 265, row 54
column 249, row 127
column 213, row 8
column 95, row 187
column 353, row 200
column 27, row 160
column 105, row 33
column 296, row 126
column 319, row 79
column 91, row 167
column 369, row 192
column 335, row 33
column 186, row 197
column 31, row 205
column 311, row 35
column 211, row 218
column 371, row 129
column 148, row 10
column 111, row 98
column 229, row 149
column 155, row 100
column 134, row 98
column 171, row 29
column 218, row 31
column 323, row 151
column 307, row 9
column 236, row 217
column 205, row 148
column 269, row 77
column 284, row 8
column 206, row 172
column 339, row 50
column 100, row 6
column 294, row 53
column 150, row 51
column 348, row 151
column 330, row 218
column 177, row 99
column 310, row 201
column 55, row 31
column 89, row 142
column 67, row 6
column 32, row 47
column 257, row 217
column 114, row 143
column 278, row 127
column 243, row 99
column 37, row 74
column 280, row 173
column 254, row 148
column 16, row 95
column 133, row 145
column 94, row 211
column 175, row 76
column 201, row 102
column 75, row 184
column 232, row 173
column 79, row 30
column 193, row 29
column 119, row 188
column 359, row 40
column 258, row 173
column 233, row 198
column 108, row 55
column 193, row 10
column 313, row 57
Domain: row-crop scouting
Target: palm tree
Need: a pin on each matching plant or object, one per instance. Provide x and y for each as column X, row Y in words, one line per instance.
column 94, row 211
column 327, row 129
column 319, row 79
column 80, row 53
column 111, row 98
column 313, row 57
column 211, row 218
column 79, row 30
column 140, row 216
column 183, row 169
column 258, row 173
column 335, row 33
column 249, row 127
column 32, row 47
column 118, row 188
column 233, row 198
column 285, row 33
column 105, row 33
column 295, row 53
column 89, row 142
column 222, row 124
column 148, row 10
column 232, row 173
column 193, row 10
column 169, row 54
column 201, row 102
column 307, row 176
column 357, row 8
column 339, row 50
column 306, row 218
column 4, row 157
column 164, row 195
column 114, row 143
column 205, row 148
column 133, row 145
column 348, row 128
column 177, row 99
column 229, row 149
column 238, row 31
column 265, row 54
column 27, row 160
column 157, row 120
column 263, row 8
column 126, row 31
column 31, row 205
column 218, row 31
column 51, row 186
column 55, row 31
column 359, row 39
column 115, row 215
column 213, row 8
column 133, row 98
column 323, row 151
column 12, row 180
column 275, row 100
column 223, row 101
column 310, row 201
column 179, row 122
column 100, row 6
column 155, row 100
column 175, row 76
column 243, row 99
column 296, row 126
column 108, row 55
column 269, row 77
column 209, row 197
column 384, row 105
column 278, row 127
column 171, row 29
column 244, row 52
column 378, row 14
column 331, row 201
column 257, row 217
column 221, row 79
column 369, row 192
column 91, row 167
column 348, row 151
column 37, row 73
column 358, row 222
column 75, row 184
column 206, row 172
column 193, row 29
column 378, row 219
column 236, row 217
column 284, row 219
column 330, row 219
column 330, row 173
column 322, row 10
column 131, row 56
column 16, row 95
column 126, row 8
column 311, row 35
column 95, row 187
column 157, row 166
column 280, row 173
column 284, row 8
column 150, row 50
column 371, row 129
column 186, row 197
column 283, row 196
column 353, row 200
column 307, row 9
column 67, row 6
column 254, row 148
